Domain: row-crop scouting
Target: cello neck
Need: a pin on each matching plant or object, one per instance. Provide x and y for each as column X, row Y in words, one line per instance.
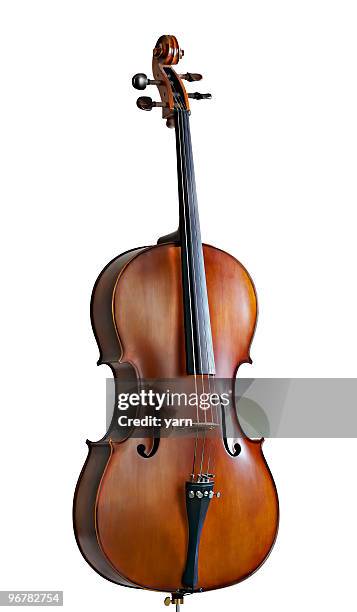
column 198, row 334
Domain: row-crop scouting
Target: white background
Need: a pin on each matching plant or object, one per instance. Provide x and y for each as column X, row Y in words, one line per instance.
column 86, row 175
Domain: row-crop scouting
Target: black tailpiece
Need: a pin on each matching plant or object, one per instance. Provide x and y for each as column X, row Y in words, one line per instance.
column 198, row 497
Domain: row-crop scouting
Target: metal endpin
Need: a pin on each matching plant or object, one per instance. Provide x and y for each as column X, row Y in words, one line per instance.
column 174, row 599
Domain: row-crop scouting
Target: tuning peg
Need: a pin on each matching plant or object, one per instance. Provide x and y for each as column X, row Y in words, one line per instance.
column 199, row 96
column 190, row 76
column 145, row 103
column 140, row 81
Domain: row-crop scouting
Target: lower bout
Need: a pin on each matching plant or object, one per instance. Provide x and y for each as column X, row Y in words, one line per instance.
column 84, row 513
column 216, row 568
column 147, row 545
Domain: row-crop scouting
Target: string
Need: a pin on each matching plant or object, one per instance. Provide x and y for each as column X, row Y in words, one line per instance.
column 197, row 317
column 180, row 158
column 184, row 139
column 200, row 269
column 200, row 320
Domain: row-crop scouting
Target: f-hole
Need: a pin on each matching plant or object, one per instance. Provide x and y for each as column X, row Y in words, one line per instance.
column 141, row 448
column 235, row 451
column 236, row 448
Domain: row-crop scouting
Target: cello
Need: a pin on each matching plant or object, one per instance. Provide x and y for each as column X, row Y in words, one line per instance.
column 153, row 510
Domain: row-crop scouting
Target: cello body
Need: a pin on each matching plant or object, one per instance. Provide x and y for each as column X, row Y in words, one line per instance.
column 138, row 525
column 132, row 517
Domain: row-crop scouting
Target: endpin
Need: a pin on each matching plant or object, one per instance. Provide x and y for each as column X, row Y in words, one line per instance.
column 175, row 599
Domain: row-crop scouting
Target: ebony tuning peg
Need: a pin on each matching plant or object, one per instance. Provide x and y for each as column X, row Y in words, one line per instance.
column 140, row 81
column 147, row 104
column 199, row 96
column 191, row 76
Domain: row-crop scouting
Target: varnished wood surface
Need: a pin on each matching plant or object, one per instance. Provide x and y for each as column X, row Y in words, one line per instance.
column 148, row 312
column 84, row 512
column 140, row 515
column 101, row 308
column 98, row 454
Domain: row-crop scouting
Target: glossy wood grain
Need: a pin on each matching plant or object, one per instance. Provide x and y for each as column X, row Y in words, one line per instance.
column 151, row 321
column 148, row 313
column 140, row 516
column 84, row 512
